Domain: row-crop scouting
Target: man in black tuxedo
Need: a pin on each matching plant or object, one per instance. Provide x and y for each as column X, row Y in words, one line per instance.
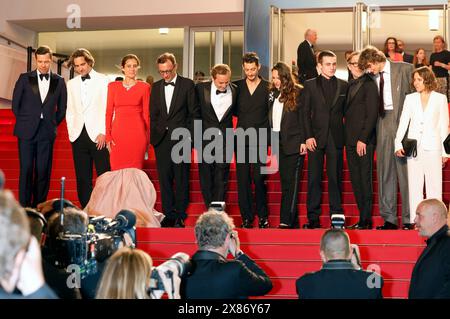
column 306, row 59
column 39, row 104
column 361, row 115
column 252, row 110
column 431, row 274
column 323, row 107
column 172, row 105
column 340, row 277
column 408, row 58
column 216, row 99
column 212, row 275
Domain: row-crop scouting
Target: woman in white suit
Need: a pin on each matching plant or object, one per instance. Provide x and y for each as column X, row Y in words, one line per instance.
column 426, row 112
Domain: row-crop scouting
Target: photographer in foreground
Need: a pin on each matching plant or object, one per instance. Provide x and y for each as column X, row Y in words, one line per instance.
column 341, row 276
column 20, row 256
column 213, row 276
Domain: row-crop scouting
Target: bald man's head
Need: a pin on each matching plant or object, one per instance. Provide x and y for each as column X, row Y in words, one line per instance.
column 431, row 215
column 335, row 244
column 311, row 36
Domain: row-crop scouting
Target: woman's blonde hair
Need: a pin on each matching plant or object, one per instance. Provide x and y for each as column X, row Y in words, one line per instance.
column 126, row 275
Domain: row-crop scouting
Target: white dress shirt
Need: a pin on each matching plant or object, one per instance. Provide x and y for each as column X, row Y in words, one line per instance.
column 44, row 86
column 387, row 91
column 220, row 102
column 85, row 86
column 168, row 92
column 277, row 112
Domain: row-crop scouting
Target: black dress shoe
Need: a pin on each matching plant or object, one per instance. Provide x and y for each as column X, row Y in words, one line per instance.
column 359, row 226
column 179, row 223
column 386, row 226
column 263, row 223
column 407, row 226
column 168, row 222
column 284, row 226
column 311, row 225
column 247, row 224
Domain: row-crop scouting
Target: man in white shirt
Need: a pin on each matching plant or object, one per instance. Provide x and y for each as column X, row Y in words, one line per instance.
column 86, row 107
column 393, row 80
column 39, row 105
column 216, row 99
column 172, row 106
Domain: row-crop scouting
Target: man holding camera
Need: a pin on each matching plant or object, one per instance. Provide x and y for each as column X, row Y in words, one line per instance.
column 340, row 276
column 212, row 275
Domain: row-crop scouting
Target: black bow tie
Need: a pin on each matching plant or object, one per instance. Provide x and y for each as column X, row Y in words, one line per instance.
column 169, row 83
column 220, row 92
column 86, row 77
column 42, row 76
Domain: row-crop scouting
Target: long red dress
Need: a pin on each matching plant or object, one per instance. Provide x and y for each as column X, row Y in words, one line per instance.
column 128, row 124
column 126, row 186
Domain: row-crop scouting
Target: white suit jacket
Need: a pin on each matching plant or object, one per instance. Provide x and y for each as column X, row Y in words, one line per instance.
column 93, row 114
column 429, row 127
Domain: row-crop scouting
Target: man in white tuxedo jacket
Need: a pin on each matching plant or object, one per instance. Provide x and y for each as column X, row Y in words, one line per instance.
column 86, row 107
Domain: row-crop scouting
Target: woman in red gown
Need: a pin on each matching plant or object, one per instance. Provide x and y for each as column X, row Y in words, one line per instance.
column 127, row 137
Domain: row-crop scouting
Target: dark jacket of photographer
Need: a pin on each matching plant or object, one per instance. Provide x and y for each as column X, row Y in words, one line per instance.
column 339, row 279
column 214, row 277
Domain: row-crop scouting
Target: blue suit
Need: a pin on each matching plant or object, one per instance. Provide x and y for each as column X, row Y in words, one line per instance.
column 36, row 135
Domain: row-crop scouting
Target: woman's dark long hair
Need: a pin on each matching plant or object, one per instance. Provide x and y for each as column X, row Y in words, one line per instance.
column 289, row 89
column 396, row 49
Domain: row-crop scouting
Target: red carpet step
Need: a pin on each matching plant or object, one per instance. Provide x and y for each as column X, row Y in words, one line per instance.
column 287, row 254
column 284, row 254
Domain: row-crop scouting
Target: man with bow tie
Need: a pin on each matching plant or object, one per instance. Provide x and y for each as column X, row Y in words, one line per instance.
column 39, row 105
column 216, row 99
column 172, row 106
column 306, row 59
column 86, row 110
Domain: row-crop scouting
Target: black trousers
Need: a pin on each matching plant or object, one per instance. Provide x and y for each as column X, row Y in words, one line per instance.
column 213, row 181
column 247, row 171
column 334, row 163
column 35, row 157
column 173, row 181
column 361, row 177
column 290, row 167
column 85, row 154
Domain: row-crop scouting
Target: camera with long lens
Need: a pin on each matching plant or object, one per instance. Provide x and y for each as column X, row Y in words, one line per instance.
column 180, row 261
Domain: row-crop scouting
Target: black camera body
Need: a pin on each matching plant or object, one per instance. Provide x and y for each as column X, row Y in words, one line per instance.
column 218, row 206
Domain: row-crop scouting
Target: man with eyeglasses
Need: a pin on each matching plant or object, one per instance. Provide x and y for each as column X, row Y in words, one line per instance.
column 172, row 105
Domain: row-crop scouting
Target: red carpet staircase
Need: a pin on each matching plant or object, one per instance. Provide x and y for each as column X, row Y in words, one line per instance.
column 284, row 254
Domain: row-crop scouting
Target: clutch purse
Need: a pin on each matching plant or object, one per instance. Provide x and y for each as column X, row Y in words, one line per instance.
column 410, row 145
column 447, row 144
